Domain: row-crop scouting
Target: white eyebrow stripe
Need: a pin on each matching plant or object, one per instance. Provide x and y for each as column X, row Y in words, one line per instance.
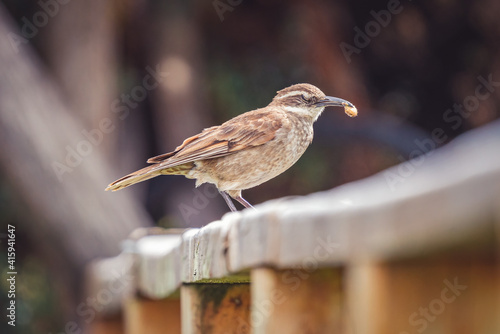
column 295, row 92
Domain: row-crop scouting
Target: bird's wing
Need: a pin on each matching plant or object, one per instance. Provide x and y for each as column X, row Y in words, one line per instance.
column 250, row 129
column 247, row 130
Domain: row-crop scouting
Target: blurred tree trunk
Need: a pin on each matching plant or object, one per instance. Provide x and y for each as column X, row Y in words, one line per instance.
column 79, row 45
column 58, row 171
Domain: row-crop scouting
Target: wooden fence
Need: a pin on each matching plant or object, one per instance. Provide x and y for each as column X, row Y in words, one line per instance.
column 410, row 250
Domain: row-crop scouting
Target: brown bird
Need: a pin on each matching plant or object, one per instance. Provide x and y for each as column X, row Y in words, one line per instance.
column 247, row 150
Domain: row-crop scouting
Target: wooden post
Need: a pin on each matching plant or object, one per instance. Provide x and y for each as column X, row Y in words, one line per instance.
column 152, row 316
column 107, row 325
column 215, row 308
column 427, row 296
column 296, row 301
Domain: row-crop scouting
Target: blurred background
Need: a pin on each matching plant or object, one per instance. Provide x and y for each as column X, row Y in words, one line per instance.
column 90, row 89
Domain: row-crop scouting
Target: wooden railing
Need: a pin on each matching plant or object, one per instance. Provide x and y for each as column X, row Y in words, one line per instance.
column 410, row 250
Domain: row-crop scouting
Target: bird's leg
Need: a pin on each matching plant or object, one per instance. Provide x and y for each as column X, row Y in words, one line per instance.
column 244, row 202
column 228, row 200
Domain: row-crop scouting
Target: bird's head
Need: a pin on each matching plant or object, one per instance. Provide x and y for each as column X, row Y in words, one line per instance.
column 309, row 101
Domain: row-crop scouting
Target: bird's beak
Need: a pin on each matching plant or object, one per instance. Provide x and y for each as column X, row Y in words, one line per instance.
column 330, row 101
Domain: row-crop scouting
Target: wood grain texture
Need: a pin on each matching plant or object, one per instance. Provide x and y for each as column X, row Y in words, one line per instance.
column 213, row 308
column 296, row 301
column 152, row 316
column 106, row 326
column 450, row 295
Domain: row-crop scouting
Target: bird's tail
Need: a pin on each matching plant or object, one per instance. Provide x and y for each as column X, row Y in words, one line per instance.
column 148, row 173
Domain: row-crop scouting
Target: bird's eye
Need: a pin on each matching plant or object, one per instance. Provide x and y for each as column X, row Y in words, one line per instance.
column 309, row 100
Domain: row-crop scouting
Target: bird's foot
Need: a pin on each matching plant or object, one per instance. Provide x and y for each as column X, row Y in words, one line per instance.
column 244, row 202
column 230, row 203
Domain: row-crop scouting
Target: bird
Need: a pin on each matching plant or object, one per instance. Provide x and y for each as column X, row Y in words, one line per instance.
column 247, row 150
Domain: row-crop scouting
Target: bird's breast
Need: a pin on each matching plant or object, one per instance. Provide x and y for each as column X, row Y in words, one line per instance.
column 255, row 165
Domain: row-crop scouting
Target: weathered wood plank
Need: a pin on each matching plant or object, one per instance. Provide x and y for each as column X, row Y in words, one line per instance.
column 113, row 325
column 448, row 296
column 204, row 251
column 215, row 308
column 297, row 301
column 152, row 316
column 159, row 265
